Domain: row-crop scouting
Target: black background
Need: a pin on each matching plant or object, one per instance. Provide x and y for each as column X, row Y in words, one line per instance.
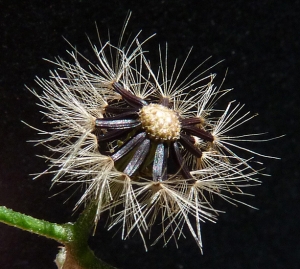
column 260, row 42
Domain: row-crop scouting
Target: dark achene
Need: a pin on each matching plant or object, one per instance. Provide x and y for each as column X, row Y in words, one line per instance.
column 128, row 122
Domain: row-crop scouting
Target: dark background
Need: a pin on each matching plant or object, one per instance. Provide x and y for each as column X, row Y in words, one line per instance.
column 260, row 42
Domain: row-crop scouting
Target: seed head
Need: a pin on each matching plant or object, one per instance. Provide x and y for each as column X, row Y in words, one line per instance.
column 149, row 147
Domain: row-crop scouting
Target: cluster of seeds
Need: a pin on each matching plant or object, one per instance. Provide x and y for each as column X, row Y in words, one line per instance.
column 148, row 148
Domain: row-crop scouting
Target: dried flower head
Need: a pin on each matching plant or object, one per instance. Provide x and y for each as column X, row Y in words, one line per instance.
column 149, row 147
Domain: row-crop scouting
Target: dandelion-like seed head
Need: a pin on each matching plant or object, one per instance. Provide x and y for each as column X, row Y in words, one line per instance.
column 149, row 147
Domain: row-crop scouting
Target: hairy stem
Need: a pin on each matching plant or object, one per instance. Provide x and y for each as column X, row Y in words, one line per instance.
column 77, row 254
column 41, row 227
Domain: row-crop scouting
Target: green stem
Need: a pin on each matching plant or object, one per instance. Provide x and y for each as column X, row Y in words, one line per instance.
column 73, row 235
column 54, row 231
column 85, row 222
column 78, row 247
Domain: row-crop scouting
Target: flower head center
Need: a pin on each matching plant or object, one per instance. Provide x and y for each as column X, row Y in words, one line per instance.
column 160, row 122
